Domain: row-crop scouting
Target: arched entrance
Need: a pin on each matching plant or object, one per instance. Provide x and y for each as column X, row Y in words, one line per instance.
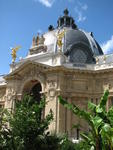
column 34, row 89
column 35, row 92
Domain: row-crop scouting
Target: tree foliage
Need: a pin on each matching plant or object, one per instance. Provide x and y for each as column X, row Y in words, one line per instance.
column 25, row 128
column 100, row 123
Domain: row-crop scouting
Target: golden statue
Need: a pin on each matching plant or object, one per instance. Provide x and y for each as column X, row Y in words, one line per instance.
column 14, row 50
column 59, row 38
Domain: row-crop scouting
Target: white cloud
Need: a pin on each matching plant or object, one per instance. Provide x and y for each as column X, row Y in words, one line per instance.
column 108, row 46
column 80, row 17
column 84, row 7
column 79, row 10
column 47, row 3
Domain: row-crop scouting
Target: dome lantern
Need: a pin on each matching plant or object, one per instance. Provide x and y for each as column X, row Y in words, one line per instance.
column 66, row 21
column 66, row 12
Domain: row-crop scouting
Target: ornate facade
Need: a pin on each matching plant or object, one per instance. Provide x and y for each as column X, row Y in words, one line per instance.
column 64, row 61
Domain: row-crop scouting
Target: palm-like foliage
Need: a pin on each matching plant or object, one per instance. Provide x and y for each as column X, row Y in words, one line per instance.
column 100, row 123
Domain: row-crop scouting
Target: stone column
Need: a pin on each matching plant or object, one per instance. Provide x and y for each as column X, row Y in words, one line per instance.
column 69, row 119
column 52, row 103
column 10, row 98
column 61, row 119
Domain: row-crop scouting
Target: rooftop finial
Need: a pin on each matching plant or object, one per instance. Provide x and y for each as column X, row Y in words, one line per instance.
column 66, row 12
column 66, row 21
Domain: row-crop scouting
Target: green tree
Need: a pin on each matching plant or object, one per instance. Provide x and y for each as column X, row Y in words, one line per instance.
column 5, row 135
column 25, row 128
column 100, row 123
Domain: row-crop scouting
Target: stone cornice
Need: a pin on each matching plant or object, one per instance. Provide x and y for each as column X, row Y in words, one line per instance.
column 54, row 69
column 3, row 85
column 15, row 73
column 77, row 70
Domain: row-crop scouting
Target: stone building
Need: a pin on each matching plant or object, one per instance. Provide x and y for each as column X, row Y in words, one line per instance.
column 64, row 61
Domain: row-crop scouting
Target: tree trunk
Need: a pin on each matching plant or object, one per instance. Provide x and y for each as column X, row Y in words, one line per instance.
column 98, row 144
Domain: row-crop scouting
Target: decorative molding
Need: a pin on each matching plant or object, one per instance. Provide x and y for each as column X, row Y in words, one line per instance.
column 38, row 49
column 51, row 88
column 10, row 94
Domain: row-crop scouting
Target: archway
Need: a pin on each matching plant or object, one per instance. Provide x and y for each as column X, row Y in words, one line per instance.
column 34, row 89
column 35, row 92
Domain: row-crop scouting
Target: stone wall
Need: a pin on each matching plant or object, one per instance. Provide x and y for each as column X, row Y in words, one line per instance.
column 75, row 86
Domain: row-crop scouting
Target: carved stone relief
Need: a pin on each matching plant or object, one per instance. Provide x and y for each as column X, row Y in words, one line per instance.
column 51, row 87
column 108, row 86
column 10, row 97
column 33, row 73
column 52, row 84
column 2, row 93
column 10, row 94
column 52, row 92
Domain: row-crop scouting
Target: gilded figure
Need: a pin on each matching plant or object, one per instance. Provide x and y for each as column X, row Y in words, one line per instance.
column 59, row 38
column 14, row 51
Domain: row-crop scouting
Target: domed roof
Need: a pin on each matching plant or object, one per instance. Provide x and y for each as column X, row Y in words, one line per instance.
column 78, row 45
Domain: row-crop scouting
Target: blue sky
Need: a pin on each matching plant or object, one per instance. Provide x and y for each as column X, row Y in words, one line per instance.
column 20, row 20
